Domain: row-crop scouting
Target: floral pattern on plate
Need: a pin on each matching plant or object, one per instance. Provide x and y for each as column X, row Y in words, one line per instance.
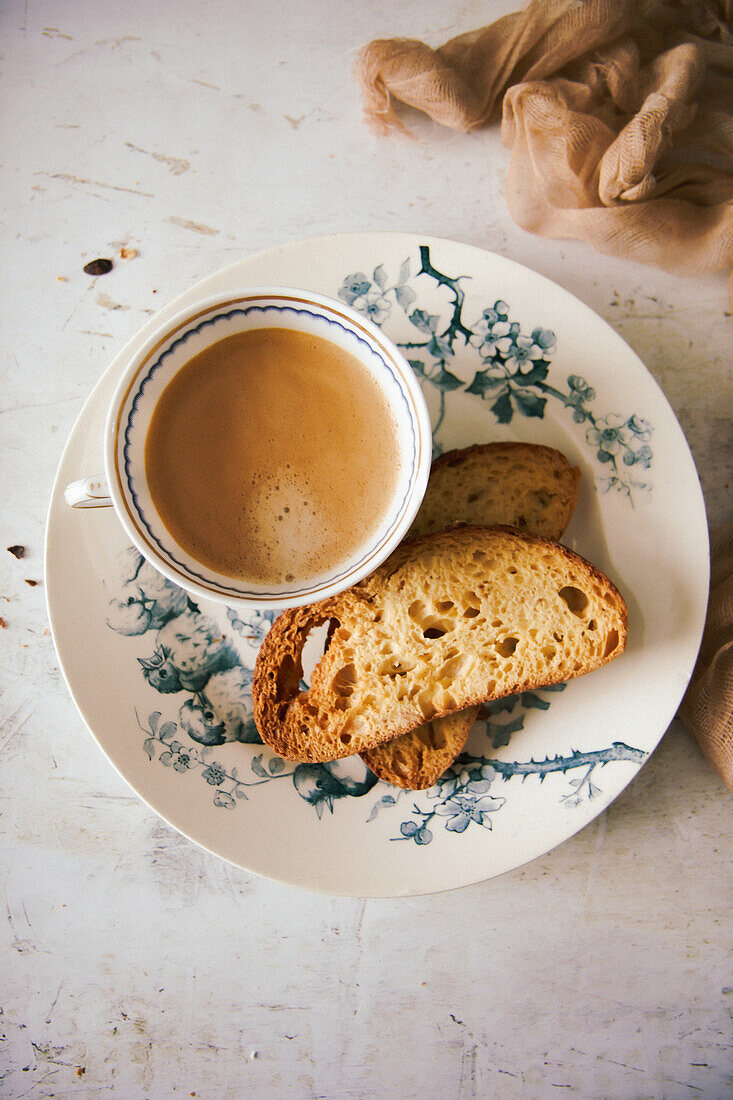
column 512, row 369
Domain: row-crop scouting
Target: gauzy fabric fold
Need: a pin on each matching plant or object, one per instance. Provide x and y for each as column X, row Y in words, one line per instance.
column 618, row 116
column 707, row 708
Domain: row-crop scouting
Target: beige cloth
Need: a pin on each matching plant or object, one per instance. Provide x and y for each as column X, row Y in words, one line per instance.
column 618, row 115
column 707, row 709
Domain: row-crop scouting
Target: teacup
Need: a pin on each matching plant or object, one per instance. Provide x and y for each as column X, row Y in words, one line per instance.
column 138, row 402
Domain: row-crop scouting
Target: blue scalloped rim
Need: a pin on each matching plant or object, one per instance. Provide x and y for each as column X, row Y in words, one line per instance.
column 165, row 551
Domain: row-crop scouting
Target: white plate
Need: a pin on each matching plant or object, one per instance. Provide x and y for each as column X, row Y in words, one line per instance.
column 503, row 354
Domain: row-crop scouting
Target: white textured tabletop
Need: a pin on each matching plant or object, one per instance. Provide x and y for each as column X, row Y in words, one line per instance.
column 133, row 962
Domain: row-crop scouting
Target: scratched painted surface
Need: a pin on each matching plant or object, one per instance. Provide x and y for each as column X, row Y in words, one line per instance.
column 132, row 962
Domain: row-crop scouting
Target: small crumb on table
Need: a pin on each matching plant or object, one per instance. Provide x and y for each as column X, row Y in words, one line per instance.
column 98, row 267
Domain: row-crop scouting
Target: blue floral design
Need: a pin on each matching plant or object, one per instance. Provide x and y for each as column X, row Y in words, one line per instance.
column 230, row 787
column 177, row 758
column 461, row 795
column 215, row 774
column 579, row 392
column 355, row 287
column 321, row 784
column 412, row 830
column 252, row 625
column 513, row 372
column 191, row 656
column 462, row 809
column 373, row 297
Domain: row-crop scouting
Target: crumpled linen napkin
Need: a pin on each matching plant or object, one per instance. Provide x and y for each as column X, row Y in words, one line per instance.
column 707, row 708
column 618, row 115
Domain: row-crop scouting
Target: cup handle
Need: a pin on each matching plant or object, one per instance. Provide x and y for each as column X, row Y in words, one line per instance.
column 90, row 492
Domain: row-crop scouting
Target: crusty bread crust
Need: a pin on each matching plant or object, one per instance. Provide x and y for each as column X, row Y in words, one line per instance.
column 525, row 485
column 447, row 622
column 417, row 759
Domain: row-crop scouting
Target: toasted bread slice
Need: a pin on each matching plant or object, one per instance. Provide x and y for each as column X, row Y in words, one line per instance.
column 521, row 484
column 447, row 622
column 417, row 759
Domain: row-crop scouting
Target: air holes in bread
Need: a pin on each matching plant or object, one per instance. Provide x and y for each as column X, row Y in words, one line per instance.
column 612, row 641
column 471, row 604
column 355, row 726
column 417, row 611
column 393, row 666
column 431, row 624
column 506, row 646
column 426, row 704
column 317, row 639
column 448, row 672
column 576, row 600
column 288, row 677
column 344, row 681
